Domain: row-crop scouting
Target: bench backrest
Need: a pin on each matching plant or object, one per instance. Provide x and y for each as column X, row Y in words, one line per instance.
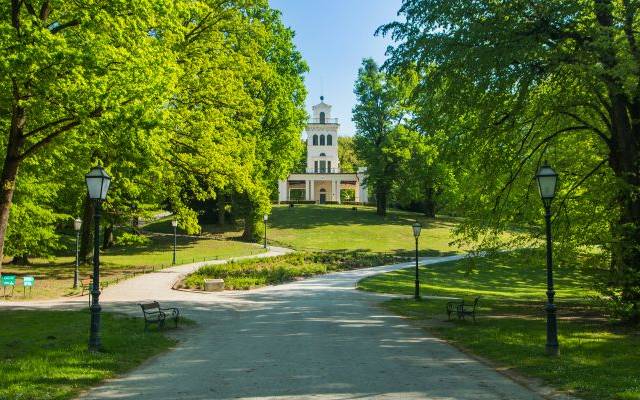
column 150, row 307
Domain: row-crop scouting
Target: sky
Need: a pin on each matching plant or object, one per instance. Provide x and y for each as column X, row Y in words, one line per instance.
column 333, row 37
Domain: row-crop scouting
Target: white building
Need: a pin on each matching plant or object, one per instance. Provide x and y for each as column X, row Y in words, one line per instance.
column 323, row 180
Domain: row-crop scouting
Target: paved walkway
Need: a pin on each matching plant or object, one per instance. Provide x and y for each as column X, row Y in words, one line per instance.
column 313, row 339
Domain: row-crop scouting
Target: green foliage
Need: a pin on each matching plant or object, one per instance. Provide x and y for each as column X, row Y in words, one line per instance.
column 179, row 101
column 382, row 140
column 347, row 154
column 126, row 239
column 508, row 84
column 46, row 356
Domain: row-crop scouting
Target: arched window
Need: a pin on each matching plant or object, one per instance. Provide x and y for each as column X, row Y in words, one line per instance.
column 322, row 155
column 322, row 119
column 321, row 140
column 329, row 140
column 315, row 140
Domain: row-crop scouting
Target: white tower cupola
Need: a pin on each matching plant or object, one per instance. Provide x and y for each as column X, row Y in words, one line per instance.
column 322, row 140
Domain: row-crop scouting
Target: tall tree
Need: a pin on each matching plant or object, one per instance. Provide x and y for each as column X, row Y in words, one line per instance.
column 378, row 116
column 66, row 65
column 514, row 82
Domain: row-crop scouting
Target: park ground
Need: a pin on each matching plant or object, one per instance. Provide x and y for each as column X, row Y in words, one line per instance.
column 509, row 332
column 598, row 355
column 307, row 228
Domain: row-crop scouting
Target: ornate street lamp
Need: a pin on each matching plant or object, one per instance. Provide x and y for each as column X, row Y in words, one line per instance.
column 174, row 223
column 416, row 234
column 98, row 182
column 265, row 218
column 77, row 224
column 547, row 182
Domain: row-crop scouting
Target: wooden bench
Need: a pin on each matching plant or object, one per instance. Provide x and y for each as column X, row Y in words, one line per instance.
column 85, row 284
column 154, row 314
column 461, row 309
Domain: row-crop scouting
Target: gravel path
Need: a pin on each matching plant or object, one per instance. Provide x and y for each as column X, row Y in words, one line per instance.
column 313, row 339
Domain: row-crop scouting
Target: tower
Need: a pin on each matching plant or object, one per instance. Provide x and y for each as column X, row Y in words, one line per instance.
column 322, row 140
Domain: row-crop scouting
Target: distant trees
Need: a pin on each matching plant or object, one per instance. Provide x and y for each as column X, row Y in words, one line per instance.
column 179, row 100
column 347, row 154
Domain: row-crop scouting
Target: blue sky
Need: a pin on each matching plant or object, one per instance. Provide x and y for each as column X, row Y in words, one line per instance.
column 333, row 37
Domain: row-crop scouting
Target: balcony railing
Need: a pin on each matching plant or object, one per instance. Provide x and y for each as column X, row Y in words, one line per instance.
column 328, row 171
column 323, row 121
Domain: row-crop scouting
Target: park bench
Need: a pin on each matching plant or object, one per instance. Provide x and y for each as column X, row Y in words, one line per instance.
column 154, row 314
column 461, row 309
column 85, row 284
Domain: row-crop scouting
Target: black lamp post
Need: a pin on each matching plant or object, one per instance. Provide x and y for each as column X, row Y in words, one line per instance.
column 77, row 224
column 416, row 234
column 98, row 185
column 547, row 181
column 265, row 218
column 174, row 223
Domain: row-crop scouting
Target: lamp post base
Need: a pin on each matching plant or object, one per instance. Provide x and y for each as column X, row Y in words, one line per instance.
column 552, row 347
column 95, row 344
column 552, row 351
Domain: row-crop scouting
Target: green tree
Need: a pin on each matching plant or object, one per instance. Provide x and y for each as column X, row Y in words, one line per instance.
column 65, row 66
column 380, row 134
column 515, row 82
column 347, row 154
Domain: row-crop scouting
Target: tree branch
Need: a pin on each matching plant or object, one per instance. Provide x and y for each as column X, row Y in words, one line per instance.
column 44, row 141
column 580, row 182
column 49, row 125
column 15, row 14
column 587, row 125
column 45, row 9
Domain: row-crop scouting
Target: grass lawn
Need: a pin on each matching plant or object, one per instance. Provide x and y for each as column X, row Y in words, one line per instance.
column 599, row 360
column 334, row 227
column 54, row 277
column 248, row 274
column 44, row 353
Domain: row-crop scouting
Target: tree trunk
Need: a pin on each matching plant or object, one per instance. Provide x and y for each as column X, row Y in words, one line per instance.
column 86, row 235
column 221, row 211
column 249, row 233
column 381, row 202
column 107, row 237
column 10, row 168
column 624, row 159
column 20, row 260
column 625, row 260
column 429, row 203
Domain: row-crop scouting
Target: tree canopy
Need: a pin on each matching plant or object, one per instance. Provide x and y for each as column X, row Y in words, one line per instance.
column 179, row 100
column 510, row 84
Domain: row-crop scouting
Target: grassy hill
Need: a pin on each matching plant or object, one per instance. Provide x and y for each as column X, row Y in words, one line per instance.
column 333, row 227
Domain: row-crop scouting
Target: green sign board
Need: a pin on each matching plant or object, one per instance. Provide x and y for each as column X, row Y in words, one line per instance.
column 8, row 280
column 28, row 281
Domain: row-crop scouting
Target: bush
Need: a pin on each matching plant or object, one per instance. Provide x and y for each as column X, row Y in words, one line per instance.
column 131, row 239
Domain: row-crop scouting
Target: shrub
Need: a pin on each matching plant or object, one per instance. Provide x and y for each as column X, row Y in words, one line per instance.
column 131, row 239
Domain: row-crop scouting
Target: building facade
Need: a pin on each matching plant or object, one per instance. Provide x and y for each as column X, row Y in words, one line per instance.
column 323, row 180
